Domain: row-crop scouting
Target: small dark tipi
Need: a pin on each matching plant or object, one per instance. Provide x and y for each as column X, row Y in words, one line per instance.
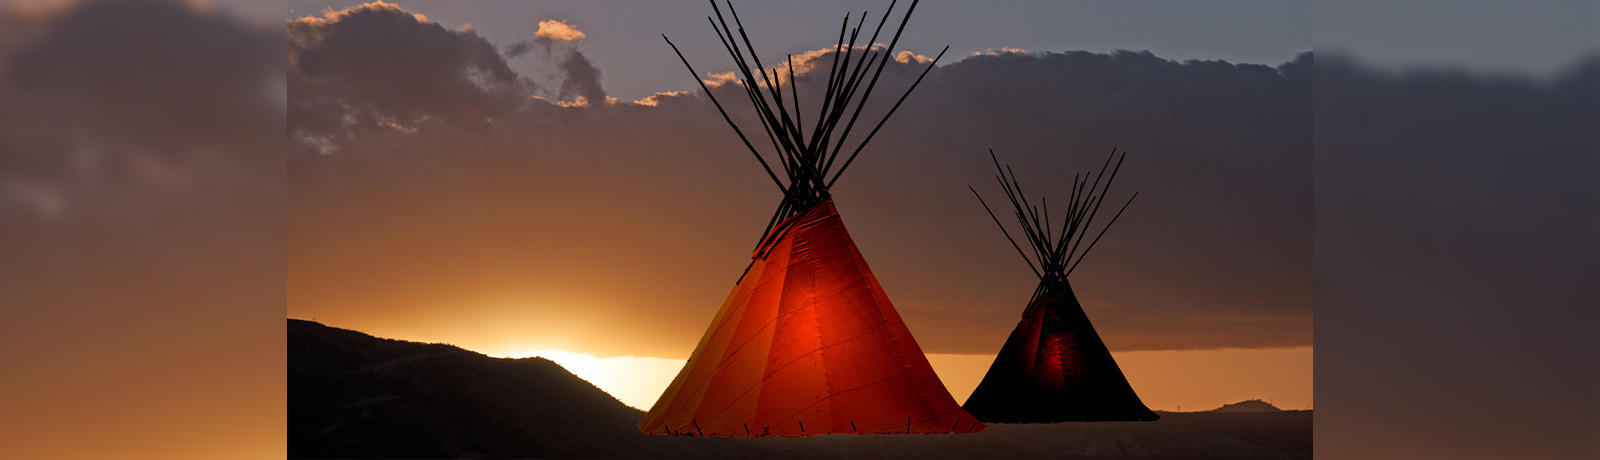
column 807, row 342
column 1054, row 367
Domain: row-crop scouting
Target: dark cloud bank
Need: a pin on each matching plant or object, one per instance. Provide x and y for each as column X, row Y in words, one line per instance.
column 423, row 143
column 1458, row 244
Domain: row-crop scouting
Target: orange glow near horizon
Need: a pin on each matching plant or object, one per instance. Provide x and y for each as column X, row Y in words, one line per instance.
column 1165, row 380
column 634, row 380
column 1179, row 380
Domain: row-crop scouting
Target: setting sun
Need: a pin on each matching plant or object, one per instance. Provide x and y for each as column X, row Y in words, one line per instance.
column 636, row 381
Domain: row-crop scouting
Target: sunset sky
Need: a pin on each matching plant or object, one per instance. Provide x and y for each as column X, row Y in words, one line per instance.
column 443, row 184
column 531, row 178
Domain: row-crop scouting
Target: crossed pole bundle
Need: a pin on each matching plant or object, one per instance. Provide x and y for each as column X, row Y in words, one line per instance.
column 1057, row 253
column 807, row 159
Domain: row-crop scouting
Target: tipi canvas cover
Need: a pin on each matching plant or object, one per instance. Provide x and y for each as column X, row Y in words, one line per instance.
column 807, row 343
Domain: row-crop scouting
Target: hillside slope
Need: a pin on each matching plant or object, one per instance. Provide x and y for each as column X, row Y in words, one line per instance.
column 352, row 395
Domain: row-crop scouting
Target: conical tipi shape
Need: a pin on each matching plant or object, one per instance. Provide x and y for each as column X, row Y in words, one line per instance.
column 806, row 344
column 1054, row 367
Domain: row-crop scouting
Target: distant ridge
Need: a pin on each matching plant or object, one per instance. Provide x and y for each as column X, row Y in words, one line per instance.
column 1249, row 405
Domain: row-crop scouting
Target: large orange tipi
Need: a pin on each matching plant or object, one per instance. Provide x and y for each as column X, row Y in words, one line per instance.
column 807, row 343
column 1054, row 367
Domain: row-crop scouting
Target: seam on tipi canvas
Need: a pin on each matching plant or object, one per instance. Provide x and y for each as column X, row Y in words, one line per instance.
column 704, row 385
column 780, row 368
column 840, row 392
column 727, row 357
column 891, row 341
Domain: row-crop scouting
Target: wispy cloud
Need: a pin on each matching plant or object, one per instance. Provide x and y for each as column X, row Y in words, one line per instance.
column 580, row 77
column 656, row 99
column 558, row 30
column 1000, row 51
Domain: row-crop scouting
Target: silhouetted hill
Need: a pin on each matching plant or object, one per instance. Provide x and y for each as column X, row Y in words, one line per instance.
column 1250, row 405
column 352, row 395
